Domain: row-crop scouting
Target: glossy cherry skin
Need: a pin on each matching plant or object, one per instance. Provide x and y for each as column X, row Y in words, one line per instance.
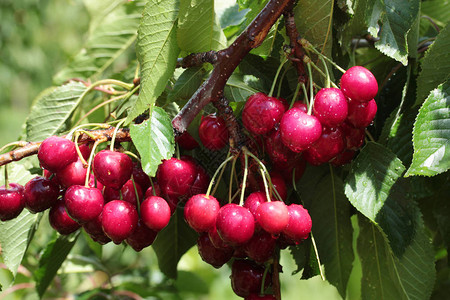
column 343, row 158
column 60, row 220
column 112, row 168
column 261, row 113
column 272, row 216
column 253, row 201
column 299, row 130
column 359, row 84
column 85, row 151
column 246, row 277
column 261, row 246
column 73, row 174
column 213, row 132
column 95, row 230
column 235, row 224
column 40, row 194
column 186, row 141
column 328, row 146
column 288, row 171
column 129, row 194
column 140, row 177
column 55, row 153
column 354, row 137
column 260, row 297
column 155, row 213
column 216, row 257
column 201, row 212
column 141, row 237
column 12, row 201
column 301, row 105
column 330, row 107
column 277, row 151
column 119, row 220
column 216, row 240
column 201, row 182
column 361, row 114
column 278, row 184
column 175, row 176
column 149, row 191
column 300, row 223
column 83, row 204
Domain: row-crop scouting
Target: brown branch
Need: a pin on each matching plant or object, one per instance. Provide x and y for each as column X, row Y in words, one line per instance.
column 197, row 59
column 227, row 61
column 32, row 148
column 237, row 139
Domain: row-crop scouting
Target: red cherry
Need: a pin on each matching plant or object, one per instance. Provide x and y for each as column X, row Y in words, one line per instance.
column 140, row 177
column 85, row 151
column 361, row 114
column 299, row 130
column 213, row 132
column 95, row 230
column 277, row 151
column 155, row 213
column 214, row 256
column 201, row 182
column 141, row 237
column 354, row 137
column 261, row 246
column 119, row 219
column 246, row 277
column 83, row 204
column 201, row 212
column 128, row 192
column 328, row 146
column 272, row 216
column 278, row 184
column 235, row 224
column 215, row 239
column 253, row 201
column 359, row 84
column 175, row 176
column 73, row 174
column 149, row 191
column 330, row 107
column 55, row 153
column 60, row 220
column 287, row 170
column 186, row 141
column 40, row 194
column 300, row 223
column 261, row 113
column 343, row 158
column 12, row 201
column 112, row 168
column 301, row 105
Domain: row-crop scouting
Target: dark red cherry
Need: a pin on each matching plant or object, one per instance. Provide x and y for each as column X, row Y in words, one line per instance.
column 299, row 130
column 272, row 216
column 95, row 230
column 213, row 132
column 12, row 201
column 354, row 137
column 330, row 107
column 328, row 146
column 130, row 193
column 261, row 246
column 60, row 220
column 343, row 158
column 235, row 224
column 260, row 297
column 361, row 114
column 40, row 194
column 261, row 113
column 277, row 151
column 73, row 174
column 247, row 277
column 176, row 176
column 216, row 240
column 140, row 177
column 300, row 223
column 112, row 168
column 278, row 184
column 186, row 141
column 201, row 182
column 55, row 153
column 201, row 212
column 149, row 191
column 359, row 84
column 155, row 213
column 301, row 105
column 254, row 200
column 214, row 256
column 119, row 220
column 141, row 237
column 297, row 168
column 83, row 204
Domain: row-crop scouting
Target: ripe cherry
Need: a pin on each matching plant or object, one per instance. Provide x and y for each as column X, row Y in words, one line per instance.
column 12, row 201
column 247, row 277
column 201, row 182
column 261, row 246
column 40, row 194
column 261, row 113
column 253, row 201
column 343, row 158
column 175, row 176
column 300, row 223
column 119, row 220
column 95, row 230
column 216, row 240
column 141, row 237
column 235, row 224
column 60, row 220
column 361, row 114
column 201, row 212
column 359, row 84
column 155, row 213
column 278, row 184
column 277, row 151
column 55, row 153
column 186, row 141
column 149, row 191
column 216, row 257
column 140, row 177
column 112, row 168
column 272, row 216
column 83, row 204
column 330, row 107
column 296, row 168
column 73, row 174
column 213, row 132
column 130, row 193
column 354, row 137
column 301, row 105
column 328, row 146
column 299, row 130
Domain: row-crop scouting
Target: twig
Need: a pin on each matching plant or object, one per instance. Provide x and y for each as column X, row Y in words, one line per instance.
column 197, row 59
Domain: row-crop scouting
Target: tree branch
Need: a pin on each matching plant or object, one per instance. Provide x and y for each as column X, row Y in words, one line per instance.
column 197, row 59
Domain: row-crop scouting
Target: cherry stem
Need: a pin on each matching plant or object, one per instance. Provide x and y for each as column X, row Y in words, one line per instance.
column 77, row 128
column 244, row 180
column 294, row 182
column 235, row 195
column 369, row 135
column 297, row 89
column 307, row 45
column 113, row 139
column 219, row 178
column 311, row 89
column 327, row 84
column 313, row 241
column 138, row 201
column 230, row 186
column 266, row 188
column 91, row 157
column 153, row 186
column 281, row 82
column 83, row 161
column 266, row 271
column 217, row 172
column 305, row 93
column 276, row 76
column 129, row 153
column 6, row 177
column 177, row 151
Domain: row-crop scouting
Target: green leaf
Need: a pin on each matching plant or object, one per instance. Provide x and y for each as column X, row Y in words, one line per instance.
column 51, row 260
column 386, row 276
column 237, row 90
column 154, row 140
column 52, row 109
column 437, row 10
column 172, row 242
column 157, row 52
column 435, row 65
column 397, row 18
column 186, row 85
column 198, row 27
column 431, row 134
column 356, row 26
column 332, row 229
column 112, row 31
